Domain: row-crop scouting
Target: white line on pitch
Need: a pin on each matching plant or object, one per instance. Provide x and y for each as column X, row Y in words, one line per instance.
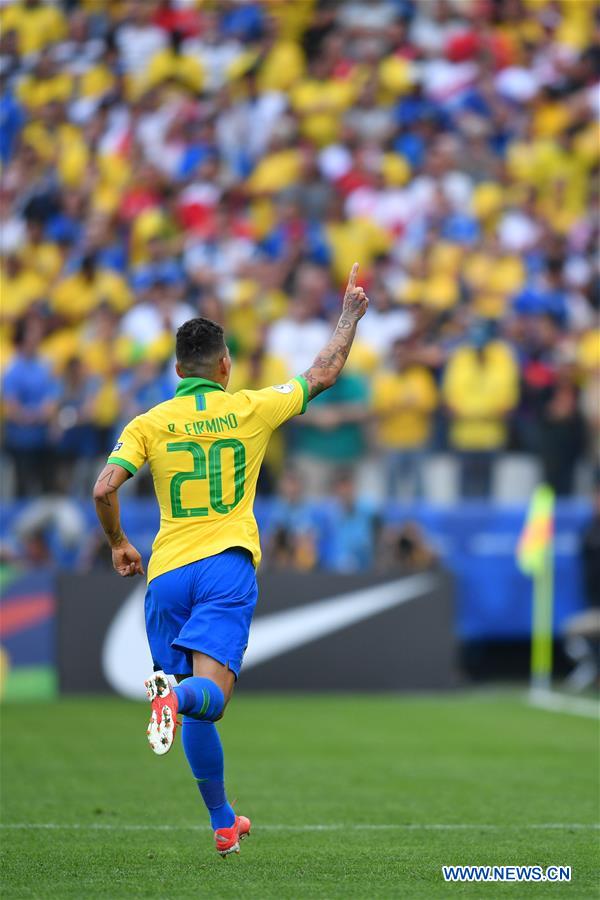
column 555, row 702
column 335, row 826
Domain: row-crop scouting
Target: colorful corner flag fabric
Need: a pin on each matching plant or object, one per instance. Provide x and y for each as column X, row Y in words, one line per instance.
column 537, row 533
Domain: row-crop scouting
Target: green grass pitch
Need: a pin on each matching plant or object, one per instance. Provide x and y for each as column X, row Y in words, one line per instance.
column 515, row 785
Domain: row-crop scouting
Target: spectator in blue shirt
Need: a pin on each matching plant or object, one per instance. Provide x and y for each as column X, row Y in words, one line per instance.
column 353, row 529
column 291, row 530
column 11, row 122
column 242, row 21
column 141, row 387
column 76, row 435
column 30, row 400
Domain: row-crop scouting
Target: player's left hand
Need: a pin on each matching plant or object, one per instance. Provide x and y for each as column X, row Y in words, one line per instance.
column 126, row 560
column 356, row 301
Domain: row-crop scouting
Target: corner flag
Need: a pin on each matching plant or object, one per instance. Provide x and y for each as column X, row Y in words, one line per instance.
column 536, row 537
column 534, row 557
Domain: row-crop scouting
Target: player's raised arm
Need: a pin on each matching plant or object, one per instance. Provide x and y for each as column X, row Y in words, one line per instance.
column 331, row 360
column 126, row 559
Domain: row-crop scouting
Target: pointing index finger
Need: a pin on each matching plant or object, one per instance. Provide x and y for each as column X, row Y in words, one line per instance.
column 353, row 274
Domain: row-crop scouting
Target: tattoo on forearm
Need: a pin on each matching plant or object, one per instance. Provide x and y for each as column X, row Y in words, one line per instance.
column 109, row 520
column 105, row 498
column 114, row 535
column 332, row 358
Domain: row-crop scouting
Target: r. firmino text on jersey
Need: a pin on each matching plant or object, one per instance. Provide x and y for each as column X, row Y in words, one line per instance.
column 206, row 426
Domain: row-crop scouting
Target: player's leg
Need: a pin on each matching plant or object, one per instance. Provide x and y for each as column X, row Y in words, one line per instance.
column 200, row 615
column 191, row 691
column 215, row 636
column 202, row 700
column 168, row 606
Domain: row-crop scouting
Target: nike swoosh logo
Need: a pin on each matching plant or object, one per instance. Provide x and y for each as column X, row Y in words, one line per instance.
column 126, row 660
column 280, row 632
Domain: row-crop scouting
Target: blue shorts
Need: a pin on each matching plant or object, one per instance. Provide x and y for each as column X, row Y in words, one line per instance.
column 205, row 606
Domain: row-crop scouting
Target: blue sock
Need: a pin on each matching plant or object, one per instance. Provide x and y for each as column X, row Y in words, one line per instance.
column 200, row 698
column 202, row 747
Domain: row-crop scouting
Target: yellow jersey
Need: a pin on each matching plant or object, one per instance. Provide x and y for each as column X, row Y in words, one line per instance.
column 406, row 401
column 480, row 389
column 205, row 448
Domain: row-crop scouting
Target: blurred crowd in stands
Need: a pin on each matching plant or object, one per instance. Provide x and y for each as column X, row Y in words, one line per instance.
column 161, row 160
column 343, row 533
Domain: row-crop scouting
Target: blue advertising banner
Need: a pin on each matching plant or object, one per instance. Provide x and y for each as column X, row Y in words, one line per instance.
column 477, row 543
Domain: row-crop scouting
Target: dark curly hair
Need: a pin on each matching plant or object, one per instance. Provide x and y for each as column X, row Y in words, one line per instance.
column 200, row 344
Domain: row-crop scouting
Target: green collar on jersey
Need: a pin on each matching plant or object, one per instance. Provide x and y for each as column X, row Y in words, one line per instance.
column 189, row 386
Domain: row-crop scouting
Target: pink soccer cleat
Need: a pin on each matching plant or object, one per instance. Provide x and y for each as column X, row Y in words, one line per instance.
column 227, row 840
column 163, row 721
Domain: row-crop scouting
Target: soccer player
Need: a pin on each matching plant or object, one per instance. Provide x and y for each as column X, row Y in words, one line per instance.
column 205, row 448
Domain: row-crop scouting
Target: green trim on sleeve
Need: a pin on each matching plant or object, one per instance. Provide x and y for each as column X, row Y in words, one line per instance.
column 304, row 385
column 123, row 463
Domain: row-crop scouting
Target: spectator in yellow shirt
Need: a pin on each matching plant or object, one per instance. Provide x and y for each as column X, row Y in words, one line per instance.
column 20, row 288
column 349, row 238
column 81, row 293
column 481, row 388
column 282, row 62
column 47, row 84
column 404, row 400
column 172, row 65
column 45, row 257
column 320, row 100
column 277, row 170
column 36, row 23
